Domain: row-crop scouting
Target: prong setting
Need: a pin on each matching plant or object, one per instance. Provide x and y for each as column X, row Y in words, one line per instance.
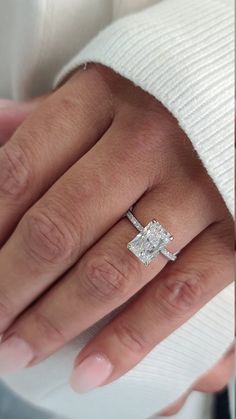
column 150, row 242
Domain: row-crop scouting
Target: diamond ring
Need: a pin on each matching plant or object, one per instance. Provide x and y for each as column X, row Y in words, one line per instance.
column 150, row 241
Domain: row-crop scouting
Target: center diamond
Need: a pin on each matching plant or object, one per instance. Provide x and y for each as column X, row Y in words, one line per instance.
column 150, row 242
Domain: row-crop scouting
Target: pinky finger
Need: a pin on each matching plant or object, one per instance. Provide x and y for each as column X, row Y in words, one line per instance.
column 203, row 269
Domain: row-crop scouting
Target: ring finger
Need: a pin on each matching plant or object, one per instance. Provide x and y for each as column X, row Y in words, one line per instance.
column 107, row 276
column 205, row 267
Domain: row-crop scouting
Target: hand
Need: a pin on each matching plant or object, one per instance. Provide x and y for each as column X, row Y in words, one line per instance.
column 91, row 150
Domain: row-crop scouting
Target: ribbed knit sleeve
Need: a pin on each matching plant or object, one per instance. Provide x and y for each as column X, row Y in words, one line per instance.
column 181, row 52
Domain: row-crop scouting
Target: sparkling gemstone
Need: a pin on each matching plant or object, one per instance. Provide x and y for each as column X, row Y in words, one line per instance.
column 148, row 244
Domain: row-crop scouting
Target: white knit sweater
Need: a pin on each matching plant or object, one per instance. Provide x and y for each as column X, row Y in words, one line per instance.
column 180, row 51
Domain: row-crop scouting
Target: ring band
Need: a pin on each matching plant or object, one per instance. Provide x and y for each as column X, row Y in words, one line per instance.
column 150, row 241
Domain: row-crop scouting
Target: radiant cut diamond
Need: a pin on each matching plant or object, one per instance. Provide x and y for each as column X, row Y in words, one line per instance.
column 149, row 243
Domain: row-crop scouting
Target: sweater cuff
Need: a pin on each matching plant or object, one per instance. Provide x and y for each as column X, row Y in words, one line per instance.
column 181, row 52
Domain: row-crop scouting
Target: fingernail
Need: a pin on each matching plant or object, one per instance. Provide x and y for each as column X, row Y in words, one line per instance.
column 15, row 354
column 91, row 373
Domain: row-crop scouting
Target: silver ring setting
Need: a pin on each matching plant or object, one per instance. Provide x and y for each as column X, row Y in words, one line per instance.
column 150, row 241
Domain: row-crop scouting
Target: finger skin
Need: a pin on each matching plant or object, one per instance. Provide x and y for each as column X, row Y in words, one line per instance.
column 166, row 303
column 175, row 407
column 50, row 141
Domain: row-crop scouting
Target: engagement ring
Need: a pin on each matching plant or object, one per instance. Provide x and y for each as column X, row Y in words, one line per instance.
column 150, row 241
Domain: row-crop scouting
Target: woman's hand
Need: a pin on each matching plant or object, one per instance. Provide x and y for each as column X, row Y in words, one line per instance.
column 90, row 151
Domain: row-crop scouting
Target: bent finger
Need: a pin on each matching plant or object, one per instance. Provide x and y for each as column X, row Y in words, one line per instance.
column 175, row 407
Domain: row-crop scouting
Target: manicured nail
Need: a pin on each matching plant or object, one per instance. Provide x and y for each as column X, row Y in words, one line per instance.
column 15, row 354
column 91, row 373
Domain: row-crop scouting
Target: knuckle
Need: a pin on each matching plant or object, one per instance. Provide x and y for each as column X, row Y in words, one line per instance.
column 181, row 293
column 131, row 338
column 47, row 237
column 15, row 173
column 103, row 79
column 102, row 280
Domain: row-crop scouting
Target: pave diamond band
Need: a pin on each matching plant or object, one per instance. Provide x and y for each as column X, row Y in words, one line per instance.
column 134, row 221
column 150, row 241
column 169, row 255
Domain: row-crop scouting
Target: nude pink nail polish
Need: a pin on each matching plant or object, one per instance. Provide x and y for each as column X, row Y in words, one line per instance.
column 91, row 373
column 15, row 354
